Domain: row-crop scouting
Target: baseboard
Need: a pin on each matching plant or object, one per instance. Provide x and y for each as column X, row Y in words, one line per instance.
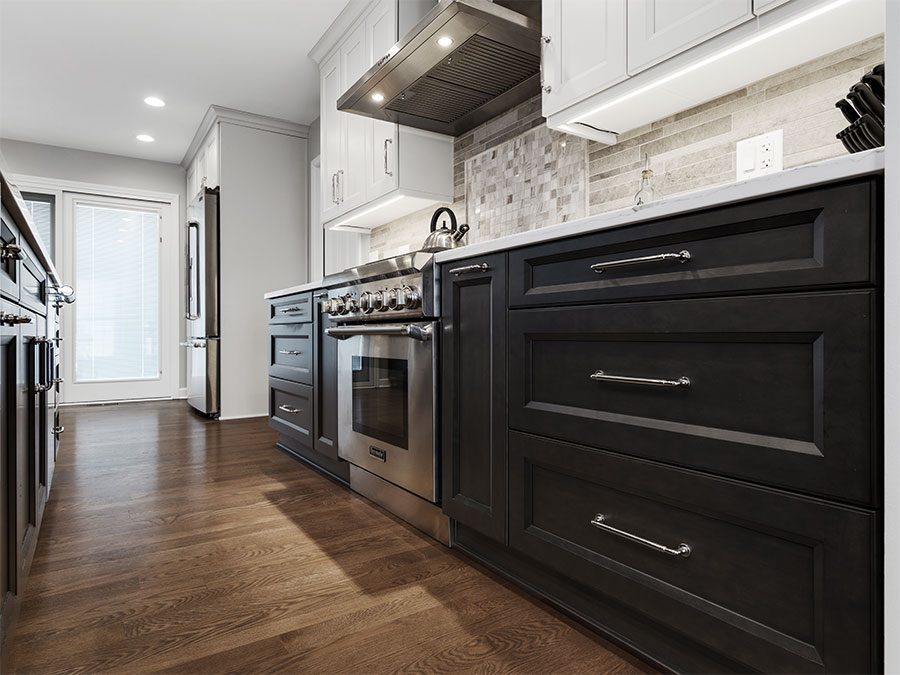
column 182, row 393
column 242, row 417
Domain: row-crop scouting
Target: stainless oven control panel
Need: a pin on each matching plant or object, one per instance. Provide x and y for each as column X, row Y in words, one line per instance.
column 387, row 299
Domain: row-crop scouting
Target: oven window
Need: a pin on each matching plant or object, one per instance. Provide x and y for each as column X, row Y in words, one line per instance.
column 380, row 399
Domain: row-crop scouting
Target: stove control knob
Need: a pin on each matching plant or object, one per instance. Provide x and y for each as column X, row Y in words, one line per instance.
column 336, row 306
column 366, row 302
column 350, row 304
column 378, row 301
column 409, row 298
column 391, row 299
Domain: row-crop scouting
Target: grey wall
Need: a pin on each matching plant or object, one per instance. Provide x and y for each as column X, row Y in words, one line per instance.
column 315, row 145
column 48, row 161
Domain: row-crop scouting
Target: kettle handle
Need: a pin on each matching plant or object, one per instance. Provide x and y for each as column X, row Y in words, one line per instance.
column 437, row 214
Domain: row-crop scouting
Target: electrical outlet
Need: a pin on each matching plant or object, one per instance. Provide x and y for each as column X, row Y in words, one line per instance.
column 760, row 155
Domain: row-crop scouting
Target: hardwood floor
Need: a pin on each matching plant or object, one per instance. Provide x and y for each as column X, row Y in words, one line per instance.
column 175, row 544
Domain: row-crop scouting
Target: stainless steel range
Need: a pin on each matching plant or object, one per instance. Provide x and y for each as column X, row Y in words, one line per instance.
column 387, row 323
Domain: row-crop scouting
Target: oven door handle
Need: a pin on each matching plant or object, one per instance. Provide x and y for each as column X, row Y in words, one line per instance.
column 406, row 330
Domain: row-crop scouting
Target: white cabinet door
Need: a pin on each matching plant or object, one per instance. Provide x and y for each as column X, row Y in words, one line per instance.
column 381, row 144
column 331, row 136
column 658, row 29
column 586, row 52
column 212, row 158
column 201, row 168
column 191, row 181
column 351, row 175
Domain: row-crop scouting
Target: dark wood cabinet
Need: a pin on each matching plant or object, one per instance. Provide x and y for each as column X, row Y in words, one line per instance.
column 10, row 433
column 291, row 352
column 9, row 264
column 325, row 404
column 473, row 297
column 297, row 308
column 686, row 453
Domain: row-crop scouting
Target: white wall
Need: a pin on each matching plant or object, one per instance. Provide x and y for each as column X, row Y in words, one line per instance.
column 263, row 234
column 892, row 344
column 48, row 161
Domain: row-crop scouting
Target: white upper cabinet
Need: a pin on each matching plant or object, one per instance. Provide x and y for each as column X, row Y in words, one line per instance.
column 583, row 49
column 331, row 135
column 212, row 158
column 380, row 171
column 381, row 145
column 679, row 53
column 351, row 179
column 659, row 29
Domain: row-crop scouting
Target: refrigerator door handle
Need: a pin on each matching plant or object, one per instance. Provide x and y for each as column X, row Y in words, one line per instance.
column 189, row 273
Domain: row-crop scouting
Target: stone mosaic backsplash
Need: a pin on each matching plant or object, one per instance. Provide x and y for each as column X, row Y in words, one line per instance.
column 513, row 174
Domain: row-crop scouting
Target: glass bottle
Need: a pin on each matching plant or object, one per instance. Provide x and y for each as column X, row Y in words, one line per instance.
column 647, row 193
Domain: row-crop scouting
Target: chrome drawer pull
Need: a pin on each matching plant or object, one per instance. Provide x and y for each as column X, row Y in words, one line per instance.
column 483, row 267
column 12, row 252
column 288, row 310
column 600, row 521
column 290, row 352
column 624, row 379
column 289, row 409
column 681, row 256
column 58, row 430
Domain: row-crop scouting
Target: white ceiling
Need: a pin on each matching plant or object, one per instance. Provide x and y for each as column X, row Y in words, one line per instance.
column 74, row 73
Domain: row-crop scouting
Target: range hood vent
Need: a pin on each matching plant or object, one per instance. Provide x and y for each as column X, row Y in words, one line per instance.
column 492, row 65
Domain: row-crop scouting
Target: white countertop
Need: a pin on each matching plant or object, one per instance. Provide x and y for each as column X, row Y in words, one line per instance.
column 828, row 171
column 293, row 289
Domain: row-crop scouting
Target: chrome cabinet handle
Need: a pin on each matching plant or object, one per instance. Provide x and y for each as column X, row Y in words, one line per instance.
column 57, row 380
column 195, row 345
column 189, row 273
column 290, row 352
column 13, row 319
column 681, row 256
column 406, row 330
column 545, row 39
column 683, row 549
column 334, row 197
column 12, row 252
column 289, row 409
column 386, row 142
column 652, row 382
column 340, row 183
column 468, row 269
column 58, row 430
column 290, row 310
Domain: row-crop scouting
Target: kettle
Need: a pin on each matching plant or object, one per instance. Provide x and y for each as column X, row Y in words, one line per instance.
column 443, row 239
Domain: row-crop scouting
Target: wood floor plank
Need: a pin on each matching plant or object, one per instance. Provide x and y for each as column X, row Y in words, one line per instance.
column 175, row 544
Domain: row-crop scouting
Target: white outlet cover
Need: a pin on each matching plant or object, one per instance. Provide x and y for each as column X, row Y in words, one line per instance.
column 760, row 155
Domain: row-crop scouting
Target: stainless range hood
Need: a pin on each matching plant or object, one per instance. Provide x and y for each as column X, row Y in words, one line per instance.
column 492, row 64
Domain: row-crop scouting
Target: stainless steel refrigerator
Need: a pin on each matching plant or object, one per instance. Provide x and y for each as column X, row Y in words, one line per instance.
column 202, row 303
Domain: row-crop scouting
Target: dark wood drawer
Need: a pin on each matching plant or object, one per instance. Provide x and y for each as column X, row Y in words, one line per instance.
column 32, row 283
column 779, row 583
column 290, row 409
column 782, row 388
column 296, row 308
column 820, row 237
column 291, row 352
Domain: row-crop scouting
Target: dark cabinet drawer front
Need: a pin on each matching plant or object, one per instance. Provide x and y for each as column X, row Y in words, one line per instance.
column 33, row 285
column 780, row 387
column 290, row 409
column 291, row 309
column 817, row 237
column 9, row 267
column 777, row 582
column 291, row 352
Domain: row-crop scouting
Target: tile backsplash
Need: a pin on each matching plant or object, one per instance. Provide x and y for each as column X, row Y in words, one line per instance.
column 513, row 174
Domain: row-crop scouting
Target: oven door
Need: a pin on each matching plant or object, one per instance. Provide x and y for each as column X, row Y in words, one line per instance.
column 386, row 401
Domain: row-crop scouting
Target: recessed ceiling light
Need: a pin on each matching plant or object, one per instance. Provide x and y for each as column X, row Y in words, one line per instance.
column 154, row 101
column 378, row 98
column 145, row 138
column 445, row 41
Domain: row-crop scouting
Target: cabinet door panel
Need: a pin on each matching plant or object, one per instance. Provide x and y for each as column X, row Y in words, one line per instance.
column 381, row 144
column 586, row 52
column 330, row 83
column 9, row 431
column 658, row 29
column 779, row 389
column 351, row 174
column 325, row 364
column 9, row 267
column 474, row 395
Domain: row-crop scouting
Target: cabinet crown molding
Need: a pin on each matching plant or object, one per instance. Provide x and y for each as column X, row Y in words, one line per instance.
column 217, row 113
column 333, row 34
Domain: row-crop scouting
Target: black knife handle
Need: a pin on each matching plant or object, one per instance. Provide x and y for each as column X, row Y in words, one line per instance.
column 848, row 110
column 872, row 104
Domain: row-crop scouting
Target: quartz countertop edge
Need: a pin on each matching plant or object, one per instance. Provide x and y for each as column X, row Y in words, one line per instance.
column 294, row 289
column 809, row 175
